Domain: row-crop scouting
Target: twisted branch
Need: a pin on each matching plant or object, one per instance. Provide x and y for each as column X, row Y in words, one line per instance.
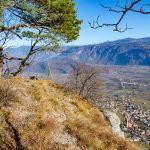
column 123, row 10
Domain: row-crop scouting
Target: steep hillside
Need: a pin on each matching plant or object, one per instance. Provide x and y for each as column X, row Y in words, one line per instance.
column 42, row 116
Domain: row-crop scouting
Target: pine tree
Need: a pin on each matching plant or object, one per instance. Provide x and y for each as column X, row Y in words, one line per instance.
column 47, row 23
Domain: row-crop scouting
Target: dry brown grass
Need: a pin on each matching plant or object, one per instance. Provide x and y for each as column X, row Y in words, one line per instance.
column 95, row 136
column 36, row 123
column 37, row 133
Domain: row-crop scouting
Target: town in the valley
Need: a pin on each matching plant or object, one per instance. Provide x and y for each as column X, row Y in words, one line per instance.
column 135, row 119
column 131, row 103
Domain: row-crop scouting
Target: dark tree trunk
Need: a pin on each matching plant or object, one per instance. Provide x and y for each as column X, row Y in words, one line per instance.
column 1, row 61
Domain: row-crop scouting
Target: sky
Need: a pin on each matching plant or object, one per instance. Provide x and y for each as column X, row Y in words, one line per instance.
column 88, row 10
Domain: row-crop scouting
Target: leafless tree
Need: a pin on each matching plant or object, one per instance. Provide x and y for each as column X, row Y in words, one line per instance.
column 85, row 80
column 122, row 8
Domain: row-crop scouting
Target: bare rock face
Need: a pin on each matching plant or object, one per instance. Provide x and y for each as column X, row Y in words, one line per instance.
column 64, row 138
column 60, row 116
column 115, row 123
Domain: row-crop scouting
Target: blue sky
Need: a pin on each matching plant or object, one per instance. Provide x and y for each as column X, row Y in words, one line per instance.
column 88, row 10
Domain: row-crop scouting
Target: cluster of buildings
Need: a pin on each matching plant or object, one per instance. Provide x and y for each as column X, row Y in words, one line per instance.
column 135, row 118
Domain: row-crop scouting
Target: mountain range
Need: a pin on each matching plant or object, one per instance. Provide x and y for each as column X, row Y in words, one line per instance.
column 121, row 52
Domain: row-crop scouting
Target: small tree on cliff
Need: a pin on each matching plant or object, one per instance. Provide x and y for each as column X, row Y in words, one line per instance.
column 85, row 80
column 43, row 22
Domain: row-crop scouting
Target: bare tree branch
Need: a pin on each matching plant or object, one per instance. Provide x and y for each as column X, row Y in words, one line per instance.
column 122, row 11
column 85, row 80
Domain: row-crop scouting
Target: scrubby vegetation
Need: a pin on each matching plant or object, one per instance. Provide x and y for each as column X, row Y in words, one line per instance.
column 54, row 121
column 7, row 94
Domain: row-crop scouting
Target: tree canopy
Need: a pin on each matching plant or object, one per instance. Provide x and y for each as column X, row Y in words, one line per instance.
column 44, row 22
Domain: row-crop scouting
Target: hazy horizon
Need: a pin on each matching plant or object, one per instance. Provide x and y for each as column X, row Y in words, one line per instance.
column 87, row 44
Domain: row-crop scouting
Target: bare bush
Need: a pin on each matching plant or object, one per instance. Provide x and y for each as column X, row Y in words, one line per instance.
column 85, row 80
column 7, row 93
